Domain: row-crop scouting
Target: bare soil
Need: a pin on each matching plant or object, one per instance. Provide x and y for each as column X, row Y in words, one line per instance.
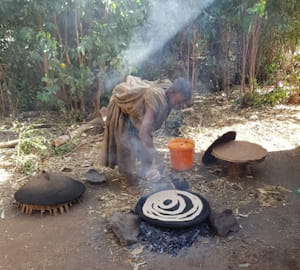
column 264, row 200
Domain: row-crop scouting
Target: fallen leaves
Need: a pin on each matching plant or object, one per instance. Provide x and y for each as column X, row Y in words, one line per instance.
column 244, row 265
column 269, row 195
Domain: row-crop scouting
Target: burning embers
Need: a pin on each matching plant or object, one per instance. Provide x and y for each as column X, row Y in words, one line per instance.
column 180, row 218
column 171, row 241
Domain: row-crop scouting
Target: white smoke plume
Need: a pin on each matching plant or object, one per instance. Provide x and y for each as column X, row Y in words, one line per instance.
column 166, row 19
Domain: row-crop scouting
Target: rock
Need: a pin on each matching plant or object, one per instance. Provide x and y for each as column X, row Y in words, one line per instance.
column 253, row 117
column 181, row 184
column 220, row 100
column 223, row 222
column 173, row 124
column 172, row 128
column 94, row 177
column 294, row 98
column 30, row 114
column 161, row 185
column 125, row 226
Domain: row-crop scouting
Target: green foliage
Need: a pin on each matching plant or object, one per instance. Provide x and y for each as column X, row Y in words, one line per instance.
column 47, row 44
column 32, row 141
column 280, row 38
column 293, row 78
column 33, row 147
column 276, row 96
column 66, row 147
column 57, row 51
column 105, row 99
column 258, row 8
column 28, row 164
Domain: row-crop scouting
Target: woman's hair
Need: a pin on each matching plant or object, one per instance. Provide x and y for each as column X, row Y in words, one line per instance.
column 184, row 87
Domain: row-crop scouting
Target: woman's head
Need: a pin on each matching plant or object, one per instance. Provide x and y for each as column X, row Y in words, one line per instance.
column 179, row 93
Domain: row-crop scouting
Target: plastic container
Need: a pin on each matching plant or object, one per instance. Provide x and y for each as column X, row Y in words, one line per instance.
column 182, row 153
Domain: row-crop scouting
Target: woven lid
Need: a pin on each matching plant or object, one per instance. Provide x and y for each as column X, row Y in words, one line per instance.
column 239, row 152
column 49, row 188
column 208, row 158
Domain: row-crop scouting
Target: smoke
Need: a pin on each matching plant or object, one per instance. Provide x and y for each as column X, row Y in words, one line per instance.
column 166, row 18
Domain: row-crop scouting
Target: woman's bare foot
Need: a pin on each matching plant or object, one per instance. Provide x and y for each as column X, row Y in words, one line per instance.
column 132, row 184
column 133, row 190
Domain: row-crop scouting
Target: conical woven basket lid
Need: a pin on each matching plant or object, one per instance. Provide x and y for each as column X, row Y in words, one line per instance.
column 49, row 188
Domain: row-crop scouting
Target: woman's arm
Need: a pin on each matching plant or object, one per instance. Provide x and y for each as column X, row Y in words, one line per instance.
column 146, row 135
column 147, row 128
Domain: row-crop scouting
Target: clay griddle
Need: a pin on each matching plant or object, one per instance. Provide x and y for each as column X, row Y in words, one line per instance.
column 164, row 208
column 208, row 158
column 49, row 189
column 239, row 152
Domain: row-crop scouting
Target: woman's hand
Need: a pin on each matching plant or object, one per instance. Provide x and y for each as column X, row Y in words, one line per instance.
column 158, row 161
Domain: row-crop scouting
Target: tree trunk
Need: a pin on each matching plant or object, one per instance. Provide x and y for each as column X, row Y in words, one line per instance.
column 100, row 91
column 194, row 58
column 221, row 52
column 77, row 24
column 253, row 52
column 66, row 39
column 58, row 33
column 245, row 46
column 45, row 63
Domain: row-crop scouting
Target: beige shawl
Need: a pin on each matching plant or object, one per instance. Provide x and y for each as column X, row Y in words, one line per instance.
column 129, row 101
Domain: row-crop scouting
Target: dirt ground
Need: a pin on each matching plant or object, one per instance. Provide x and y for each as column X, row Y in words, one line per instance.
column 264, row 201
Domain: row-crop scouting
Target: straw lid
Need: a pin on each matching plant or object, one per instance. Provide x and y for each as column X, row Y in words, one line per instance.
column 239, row 152
column 49, row 188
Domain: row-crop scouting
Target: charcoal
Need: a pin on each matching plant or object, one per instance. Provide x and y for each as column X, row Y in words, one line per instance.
column 171, row 241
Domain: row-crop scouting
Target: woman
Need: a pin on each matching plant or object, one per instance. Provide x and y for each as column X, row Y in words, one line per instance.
column 137, row 108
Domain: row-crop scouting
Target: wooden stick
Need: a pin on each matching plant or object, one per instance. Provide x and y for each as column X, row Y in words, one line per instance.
column 6, row 164
column 88, row 141
column 9, row 144
column 77, row 132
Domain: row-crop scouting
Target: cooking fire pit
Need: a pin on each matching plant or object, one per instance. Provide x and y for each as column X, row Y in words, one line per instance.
column 173, row 208
column 172, row 219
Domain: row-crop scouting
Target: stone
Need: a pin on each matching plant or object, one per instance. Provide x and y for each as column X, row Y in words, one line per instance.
column 125, row 226
column 253, row 117
column 94, row 177
column 180, row 184
column 224, row 222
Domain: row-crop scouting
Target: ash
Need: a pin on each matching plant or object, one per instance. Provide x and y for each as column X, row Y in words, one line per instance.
column 171, row 241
